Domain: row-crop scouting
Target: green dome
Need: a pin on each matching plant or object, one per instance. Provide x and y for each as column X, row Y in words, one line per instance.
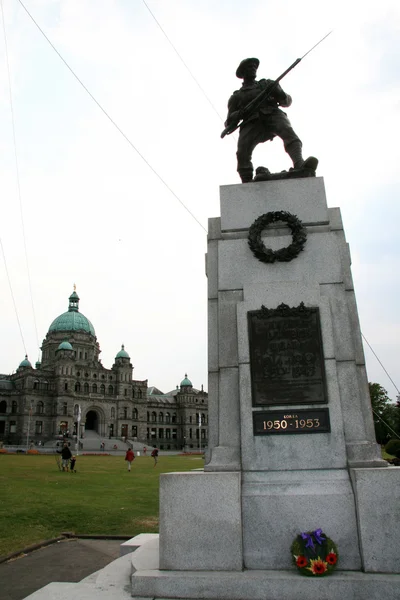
column 72, row 320
column 65, row 346
column 122, row 353
column 186, row 382
column 25, row 363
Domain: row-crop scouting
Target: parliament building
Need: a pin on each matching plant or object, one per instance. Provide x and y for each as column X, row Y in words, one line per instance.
column 43, row 402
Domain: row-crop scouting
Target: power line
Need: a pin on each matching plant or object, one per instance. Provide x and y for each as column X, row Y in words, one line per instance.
column 183, row 62
column 380, row 362
column 12, row 295
column 110, row 118
column 18, row 177
column 386, row 425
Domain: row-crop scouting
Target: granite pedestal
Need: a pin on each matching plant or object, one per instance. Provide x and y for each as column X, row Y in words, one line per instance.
column 226, row 533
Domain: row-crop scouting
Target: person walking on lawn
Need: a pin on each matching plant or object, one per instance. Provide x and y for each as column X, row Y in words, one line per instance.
column 155, row 455
column 129, row 456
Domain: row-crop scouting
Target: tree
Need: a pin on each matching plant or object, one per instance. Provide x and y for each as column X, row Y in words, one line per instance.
column 385, row 414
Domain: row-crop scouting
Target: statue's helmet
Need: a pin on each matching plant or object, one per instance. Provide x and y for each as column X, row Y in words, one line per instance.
column 245, row 63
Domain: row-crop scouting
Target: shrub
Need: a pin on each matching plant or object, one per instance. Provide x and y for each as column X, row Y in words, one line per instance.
column 393, row 448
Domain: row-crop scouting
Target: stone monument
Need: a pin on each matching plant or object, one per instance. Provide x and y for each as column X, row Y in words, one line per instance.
column 291, row 445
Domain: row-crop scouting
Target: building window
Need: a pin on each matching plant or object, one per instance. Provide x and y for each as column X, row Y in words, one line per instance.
column 160, row 434
column 125, row 392
column 148, row 433
column 139, row 393
column 39, row 408
column 133, row 392
column 174, row 434
column 134, row 431
column 36, row 384
column 190, row 419
column 125, row 413
column 13, row 426
column 174, row 418
column 65, row 408
column 148, row 416
column 94, row 388
column 112, row 412
column 38, row 427
column 161, row 417
column 86, row 388
column 110, row 390
column 77, row 387
column 190, row 433
column 168, row 434
column 154, row 417
column 65, row 386
column 135, row 414
column 168, row 418
column 3, row 406
column 102, row 389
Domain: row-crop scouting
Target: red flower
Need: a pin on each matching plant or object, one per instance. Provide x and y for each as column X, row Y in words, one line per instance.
column 318, row 566
column 331, row 558
column 301, row 561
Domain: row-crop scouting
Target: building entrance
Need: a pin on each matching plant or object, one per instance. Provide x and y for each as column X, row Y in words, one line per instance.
column 92, row 420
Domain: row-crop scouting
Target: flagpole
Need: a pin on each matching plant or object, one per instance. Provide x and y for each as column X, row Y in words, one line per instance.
column 78, row 430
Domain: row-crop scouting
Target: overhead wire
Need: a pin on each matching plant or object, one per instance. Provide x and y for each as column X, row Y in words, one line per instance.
column 374, row 353
column 18, row 191
column 12, row 296
column 111, row 119
column 183, row 62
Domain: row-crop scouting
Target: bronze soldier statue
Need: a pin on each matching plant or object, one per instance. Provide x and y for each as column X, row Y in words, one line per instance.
column 264, row 123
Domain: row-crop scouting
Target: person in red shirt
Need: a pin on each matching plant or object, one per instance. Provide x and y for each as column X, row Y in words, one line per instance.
column 129, row 456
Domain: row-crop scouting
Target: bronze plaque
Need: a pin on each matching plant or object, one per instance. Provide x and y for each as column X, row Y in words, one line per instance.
column 291, row 421
column 286, row 358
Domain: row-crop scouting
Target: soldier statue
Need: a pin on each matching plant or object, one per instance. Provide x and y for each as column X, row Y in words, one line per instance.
column 263, row 123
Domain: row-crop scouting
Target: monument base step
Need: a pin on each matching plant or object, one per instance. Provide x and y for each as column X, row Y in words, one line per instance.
column 150, row 582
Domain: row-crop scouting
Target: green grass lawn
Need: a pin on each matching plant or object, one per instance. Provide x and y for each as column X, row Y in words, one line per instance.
column 38, row 502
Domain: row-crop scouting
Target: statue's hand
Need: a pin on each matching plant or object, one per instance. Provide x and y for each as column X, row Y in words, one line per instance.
column 233, row 118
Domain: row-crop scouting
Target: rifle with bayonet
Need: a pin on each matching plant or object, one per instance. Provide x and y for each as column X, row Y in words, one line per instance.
column 244, row 113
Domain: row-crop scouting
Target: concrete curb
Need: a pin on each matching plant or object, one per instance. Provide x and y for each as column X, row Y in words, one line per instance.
column 64, row 536
column 31, row 548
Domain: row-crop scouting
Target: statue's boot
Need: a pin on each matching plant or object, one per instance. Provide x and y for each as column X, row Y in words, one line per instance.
column 311, row 163
column 246, row 174
column 294, row 151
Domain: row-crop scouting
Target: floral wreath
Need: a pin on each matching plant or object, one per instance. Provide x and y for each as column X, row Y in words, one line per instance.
column 299, row 237
column 314, row 554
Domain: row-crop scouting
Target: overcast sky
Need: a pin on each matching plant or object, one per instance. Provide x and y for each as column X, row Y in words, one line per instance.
column 96, row 215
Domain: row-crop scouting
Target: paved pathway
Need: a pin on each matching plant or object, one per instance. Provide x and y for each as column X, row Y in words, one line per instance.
column 69, row 560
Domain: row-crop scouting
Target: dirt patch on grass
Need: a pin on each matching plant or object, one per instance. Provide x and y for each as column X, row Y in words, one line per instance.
column 147, row 522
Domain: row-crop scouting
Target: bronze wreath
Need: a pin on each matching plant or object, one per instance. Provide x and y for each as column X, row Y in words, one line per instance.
column 299, row 237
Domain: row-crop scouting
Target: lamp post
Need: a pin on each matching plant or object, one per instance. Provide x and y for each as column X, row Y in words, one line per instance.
column 29, row 425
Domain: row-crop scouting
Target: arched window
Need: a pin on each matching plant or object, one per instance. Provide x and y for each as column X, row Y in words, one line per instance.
column 14, row 406
column 3, row 406
column 154, row 417
column 36, row 384
column 168, row 418
column 203, row 419
column 86, row 388
column 161, row 417
column 110, row 390
column 133, row 392
column 125, row 412
column 134, row 414
column 76, row 411
column 139, row 393
column 39, row 408
column 174, row 418
column 190, row 419
column 77, row 387
column 112, row 412
column 94, row 388
column 102, row 389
